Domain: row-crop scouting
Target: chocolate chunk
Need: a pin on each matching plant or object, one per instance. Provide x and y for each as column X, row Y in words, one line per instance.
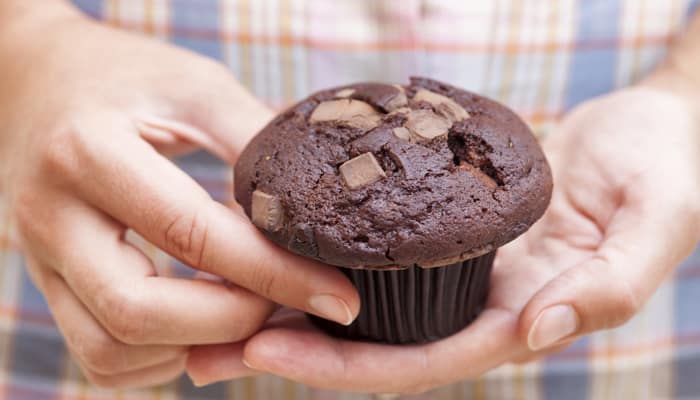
column 396, row 102
column 452, row 114
column 386, row 97
column 267, row 211
column 345, row 92
column 426, row 209
column 426, row 124
column 401, row 133
column 355, row 113
column 361, row 171
column 443, row 105
column 371, row 142
column 401, row 110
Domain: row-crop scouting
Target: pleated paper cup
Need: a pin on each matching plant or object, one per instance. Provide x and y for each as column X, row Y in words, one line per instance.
column 415, row 305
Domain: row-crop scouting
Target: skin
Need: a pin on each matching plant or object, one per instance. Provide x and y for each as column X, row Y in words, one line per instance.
column 617, row 225
column 87, row 114
column 83, row 162
column 625, row 212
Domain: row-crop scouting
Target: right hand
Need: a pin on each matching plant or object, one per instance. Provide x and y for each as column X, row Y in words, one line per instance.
column 625, row 212
column 86, row 115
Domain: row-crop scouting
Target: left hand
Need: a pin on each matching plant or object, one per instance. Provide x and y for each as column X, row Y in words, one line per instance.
column 87, row 114
column 625, row 211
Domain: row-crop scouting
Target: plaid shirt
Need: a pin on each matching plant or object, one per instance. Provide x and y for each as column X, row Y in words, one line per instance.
column 540, row 57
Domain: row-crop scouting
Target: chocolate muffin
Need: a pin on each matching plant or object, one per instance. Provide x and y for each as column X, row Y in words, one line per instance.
column 408, row 189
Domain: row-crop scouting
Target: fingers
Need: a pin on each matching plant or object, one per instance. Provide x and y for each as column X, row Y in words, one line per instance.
column 298, row 351
column 146, row 377
column 104, row 360
column 118, row 286
column 209, row 108
column 217, row 362
column 143, row 190
column 607, row 289
column 173, row 139
column 96, row 349
column 215, row 103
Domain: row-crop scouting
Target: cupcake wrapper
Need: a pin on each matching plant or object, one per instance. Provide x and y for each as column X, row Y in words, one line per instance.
column 415, row 305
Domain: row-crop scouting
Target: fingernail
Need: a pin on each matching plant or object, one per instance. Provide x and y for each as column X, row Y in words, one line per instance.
column 331, row 307
column 247, row 364
column 226, row 375
column 552, row 325
column 197, row 382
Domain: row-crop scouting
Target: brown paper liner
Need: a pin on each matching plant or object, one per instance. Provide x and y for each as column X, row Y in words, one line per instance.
column 415, row 305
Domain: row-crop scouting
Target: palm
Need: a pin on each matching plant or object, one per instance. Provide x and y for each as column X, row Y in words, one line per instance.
column 567, row 235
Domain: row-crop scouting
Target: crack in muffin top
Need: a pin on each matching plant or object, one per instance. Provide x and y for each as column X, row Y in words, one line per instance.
column 383, row 176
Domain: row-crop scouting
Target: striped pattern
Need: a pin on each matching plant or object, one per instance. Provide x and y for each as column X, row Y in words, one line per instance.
column 416, row 305
column 540, row 57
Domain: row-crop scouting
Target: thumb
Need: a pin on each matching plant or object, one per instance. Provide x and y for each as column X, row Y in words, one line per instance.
column 641, row 245
column 212, row 110
column 220, row 106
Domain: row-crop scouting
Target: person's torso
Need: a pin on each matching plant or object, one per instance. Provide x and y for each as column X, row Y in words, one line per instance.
column 540, row 57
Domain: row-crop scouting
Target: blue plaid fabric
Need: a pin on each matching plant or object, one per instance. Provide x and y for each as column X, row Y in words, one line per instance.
column 540, row 57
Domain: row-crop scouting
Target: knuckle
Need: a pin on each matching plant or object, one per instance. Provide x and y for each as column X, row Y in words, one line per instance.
column 185, row 237
column 24, row 210
column 262, row 281
column 619, row 303
column 58, row 155
column 34, row 221
column 101, row 354
column 624, row 304
column 125, row 315
column 102, row 381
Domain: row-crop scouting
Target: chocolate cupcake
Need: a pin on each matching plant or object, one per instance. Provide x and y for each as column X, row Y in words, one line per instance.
column 409, row 190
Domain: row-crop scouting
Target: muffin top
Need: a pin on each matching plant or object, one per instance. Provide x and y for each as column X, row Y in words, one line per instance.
column 384, row 176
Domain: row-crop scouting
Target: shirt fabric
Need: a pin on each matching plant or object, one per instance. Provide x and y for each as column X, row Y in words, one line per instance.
column 540, row 57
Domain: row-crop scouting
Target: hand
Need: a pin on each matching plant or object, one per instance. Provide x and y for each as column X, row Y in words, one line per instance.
column 625, row 211
column 85, row 111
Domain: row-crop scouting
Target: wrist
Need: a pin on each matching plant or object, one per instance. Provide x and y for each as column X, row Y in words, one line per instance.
column 671, row 79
